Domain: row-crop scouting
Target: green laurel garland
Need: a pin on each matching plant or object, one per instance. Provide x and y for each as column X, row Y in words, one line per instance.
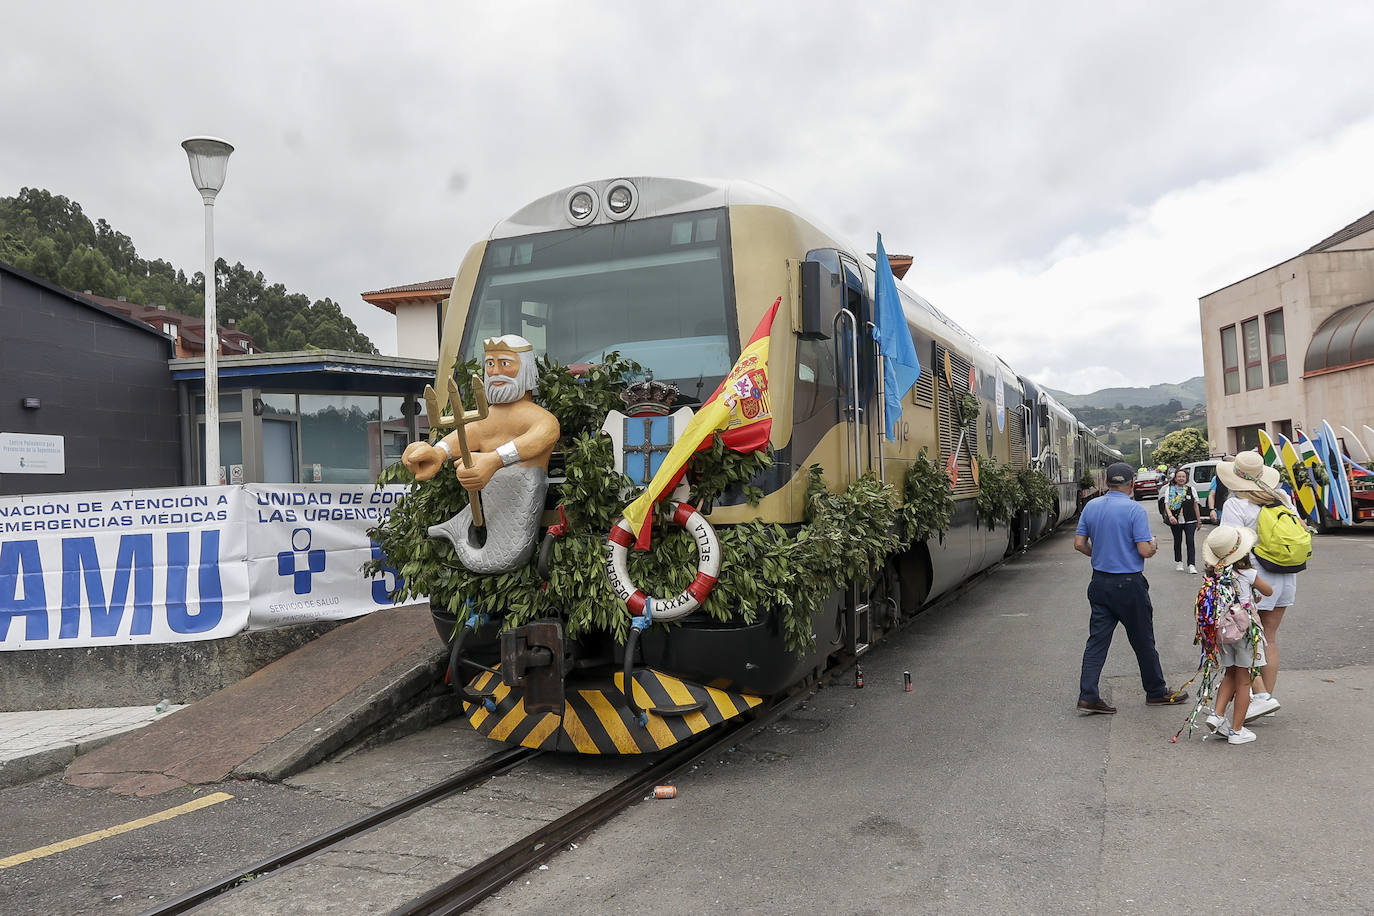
column 766, row 568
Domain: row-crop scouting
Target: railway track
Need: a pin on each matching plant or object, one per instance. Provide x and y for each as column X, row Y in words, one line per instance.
column 501, row 762
column 475, row 884
column 480, row 881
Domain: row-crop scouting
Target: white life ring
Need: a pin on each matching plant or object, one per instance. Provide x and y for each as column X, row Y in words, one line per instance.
column 708, row 567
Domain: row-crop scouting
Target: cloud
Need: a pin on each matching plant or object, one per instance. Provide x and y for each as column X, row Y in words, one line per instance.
column 1058, row 157
column 1121, row 307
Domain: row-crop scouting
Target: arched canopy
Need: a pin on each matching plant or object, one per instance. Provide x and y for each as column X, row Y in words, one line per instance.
column 1346, row 338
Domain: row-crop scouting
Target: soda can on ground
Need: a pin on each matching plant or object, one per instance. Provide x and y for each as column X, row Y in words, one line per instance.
column 906, row 680
column 665, row 791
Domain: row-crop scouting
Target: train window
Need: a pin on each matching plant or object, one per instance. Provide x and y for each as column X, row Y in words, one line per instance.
column 816, row 380
column 656, row 290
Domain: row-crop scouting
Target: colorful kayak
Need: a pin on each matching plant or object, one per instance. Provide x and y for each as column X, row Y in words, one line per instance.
column 1304, row 497
column 1309, row 458
column 1267, row 450
column 1340, row 483
column 1353, row 446
column 1270, row 453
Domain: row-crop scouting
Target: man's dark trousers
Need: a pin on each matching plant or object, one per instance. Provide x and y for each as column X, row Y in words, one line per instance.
column 1121, row 598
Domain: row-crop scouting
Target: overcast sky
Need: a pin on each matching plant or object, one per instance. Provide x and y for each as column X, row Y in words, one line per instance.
column 1070, row 176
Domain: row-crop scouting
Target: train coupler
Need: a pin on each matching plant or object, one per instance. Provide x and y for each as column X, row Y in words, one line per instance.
column 532, row 659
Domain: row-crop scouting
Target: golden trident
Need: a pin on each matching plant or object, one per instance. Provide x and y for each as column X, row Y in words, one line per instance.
column 458, row 422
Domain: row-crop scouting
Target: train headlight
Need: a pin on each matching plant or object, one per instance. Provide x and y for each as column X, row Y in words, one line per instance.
column 581, row 205
column 620, row 199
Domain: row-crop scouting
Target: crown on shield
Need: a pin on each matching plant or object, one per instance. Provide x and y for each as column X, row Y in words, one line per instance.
column 649, row 397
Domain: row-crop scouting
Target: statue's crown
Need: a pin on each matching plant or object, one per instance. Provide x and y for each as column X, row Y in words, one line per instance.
column 649, row 397
column 509, row 343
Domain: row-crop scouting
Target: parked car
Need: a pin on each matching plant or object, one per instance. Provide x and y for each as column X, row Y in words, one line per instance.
column 1201, row 474
column 1146, row 484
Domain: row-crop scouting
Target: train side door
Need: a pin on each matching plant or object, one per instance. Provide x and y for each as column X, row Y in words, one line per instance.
column 838, row 307
column 843, row 313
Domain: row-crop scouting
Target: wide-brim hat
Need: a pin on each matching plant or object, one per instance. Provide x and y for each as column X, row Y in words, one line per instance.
column 1227, row 544
column 1247, row 472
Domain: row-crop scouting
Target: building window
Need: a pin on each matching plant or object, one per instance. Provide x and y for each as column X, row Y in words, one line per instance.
column 1230, row 366
column 338, row 438
column 1278, row 348
column 1247, row 437
column 1284, row 428
column 1254, row 371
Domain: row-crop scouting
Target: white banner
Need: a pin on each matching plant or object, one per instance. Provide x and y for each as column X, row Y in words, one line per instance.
column 306, row 548
column 157, row 566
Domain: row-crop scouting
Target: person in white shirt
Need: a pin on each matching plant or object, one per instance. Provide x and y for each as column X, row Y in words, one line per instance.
column 1254, row 485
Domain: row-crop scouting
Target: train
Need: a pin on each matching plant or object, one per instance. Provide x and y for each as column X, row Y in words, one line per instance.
column 675, row 274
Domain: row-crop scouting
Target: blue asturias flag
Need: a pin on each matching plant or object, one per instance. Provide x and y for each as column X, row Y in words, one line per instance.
column 901, row 367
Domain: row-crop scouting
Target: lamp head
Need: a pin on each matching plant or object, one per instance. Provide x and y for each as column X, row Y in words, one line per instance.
column 209, row 158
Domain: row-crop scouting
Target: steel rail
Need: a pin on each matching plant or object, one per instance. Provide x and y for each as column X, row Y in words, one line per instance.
column 482, row 880
column 501, row 762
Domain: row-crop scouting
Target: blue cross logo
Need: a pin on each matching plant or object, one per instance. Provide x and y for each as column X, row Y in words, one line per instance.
column 314, row 561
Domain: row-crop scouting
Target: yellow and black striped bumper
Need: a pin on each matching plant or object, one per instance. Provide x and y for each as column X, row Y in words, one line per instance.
column 596, row 718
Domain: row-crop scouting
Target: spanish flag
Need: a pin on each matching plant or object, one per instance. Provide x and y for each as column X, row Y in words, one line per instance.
column 739, row 410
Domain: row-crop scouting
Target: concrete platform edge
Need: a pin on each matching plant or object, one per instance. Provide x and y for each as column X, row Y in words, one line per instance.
column 19, row 770
column 45, row 762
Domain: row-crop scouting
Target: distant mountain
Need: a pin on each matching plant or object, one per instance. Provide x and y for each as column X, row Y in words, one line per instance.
column 1190, row 393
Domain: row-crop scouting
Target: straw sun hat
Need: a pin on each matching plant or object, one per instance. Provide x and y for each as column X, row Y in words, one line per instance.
column 1247, row 472
column 1227, row 544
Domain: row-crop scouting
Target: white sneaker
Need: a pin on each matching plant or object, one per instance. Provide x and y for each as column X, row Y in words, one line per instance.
column 1179, row 566
column 1244, row 736
column 1192, row 569
column 1215, row 723
column 1261, row 707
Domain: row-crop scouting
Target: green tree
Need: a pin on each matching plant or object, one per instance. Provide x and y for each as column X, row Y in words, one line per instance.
column 50, row 236
column 1180, row 447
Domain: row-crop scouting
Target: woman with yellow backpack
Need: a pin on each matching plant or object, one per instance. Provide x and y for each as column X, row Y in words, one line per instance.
column 1282, row 548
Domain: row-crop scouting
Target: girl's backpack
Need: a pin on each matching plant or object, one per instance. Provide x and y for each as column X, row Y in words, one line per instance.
column 1233, row 624
column 1285, row 544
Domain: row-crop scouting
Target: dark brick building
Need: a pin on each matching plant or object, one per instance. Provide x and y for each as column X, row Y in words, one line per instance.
column 72, row 368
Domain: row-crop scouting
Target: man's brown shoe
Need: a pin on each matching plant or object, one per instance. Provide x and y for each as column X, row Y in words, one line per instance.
column 1169, row 699
column 1101, row 706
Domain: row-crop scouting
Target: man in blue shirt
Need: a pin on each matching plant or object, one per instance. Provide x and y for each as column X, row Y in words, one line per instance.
column 1114, row 532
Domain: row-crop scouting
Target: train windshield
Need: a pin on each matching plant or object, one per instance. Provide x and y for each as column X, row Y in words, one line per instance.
column 656, row 290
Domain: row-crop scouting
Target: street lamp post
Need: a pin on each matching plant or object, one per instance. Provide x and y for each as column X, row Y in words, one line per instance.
column 209, row 158
column 1143, row 441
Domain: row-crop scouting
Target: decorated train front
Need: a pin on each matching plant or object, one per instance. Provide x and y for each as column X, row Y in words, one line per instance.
column 655, row 489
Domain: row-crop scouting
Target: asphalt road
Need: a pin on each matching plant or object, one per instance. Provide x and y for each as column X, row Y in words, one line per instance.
column 981, row 790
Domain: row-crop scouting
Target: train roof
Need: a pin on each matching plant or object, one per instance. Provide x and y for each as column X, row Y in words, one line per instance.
column 657, row 196
column 660, row 196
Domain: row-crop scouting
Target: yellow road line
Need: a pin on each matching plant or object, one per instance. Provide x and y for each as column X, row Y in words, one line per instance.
column 54, row 848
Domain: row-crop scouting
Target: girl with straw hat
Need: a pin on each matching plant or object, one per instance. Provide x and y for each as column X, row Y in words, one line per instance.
column 1229, row 590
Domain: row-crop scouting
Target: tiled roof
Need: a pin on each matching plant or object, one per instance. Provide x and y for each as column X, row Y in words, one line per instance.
column 409, row 294
column 1359, row 227
column 444, row 284
column 191, row 328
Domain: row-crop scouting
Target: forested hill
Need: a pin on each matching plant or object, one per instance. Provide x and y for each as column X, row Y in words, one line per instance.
column 51, row 237
column 1190, row 393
